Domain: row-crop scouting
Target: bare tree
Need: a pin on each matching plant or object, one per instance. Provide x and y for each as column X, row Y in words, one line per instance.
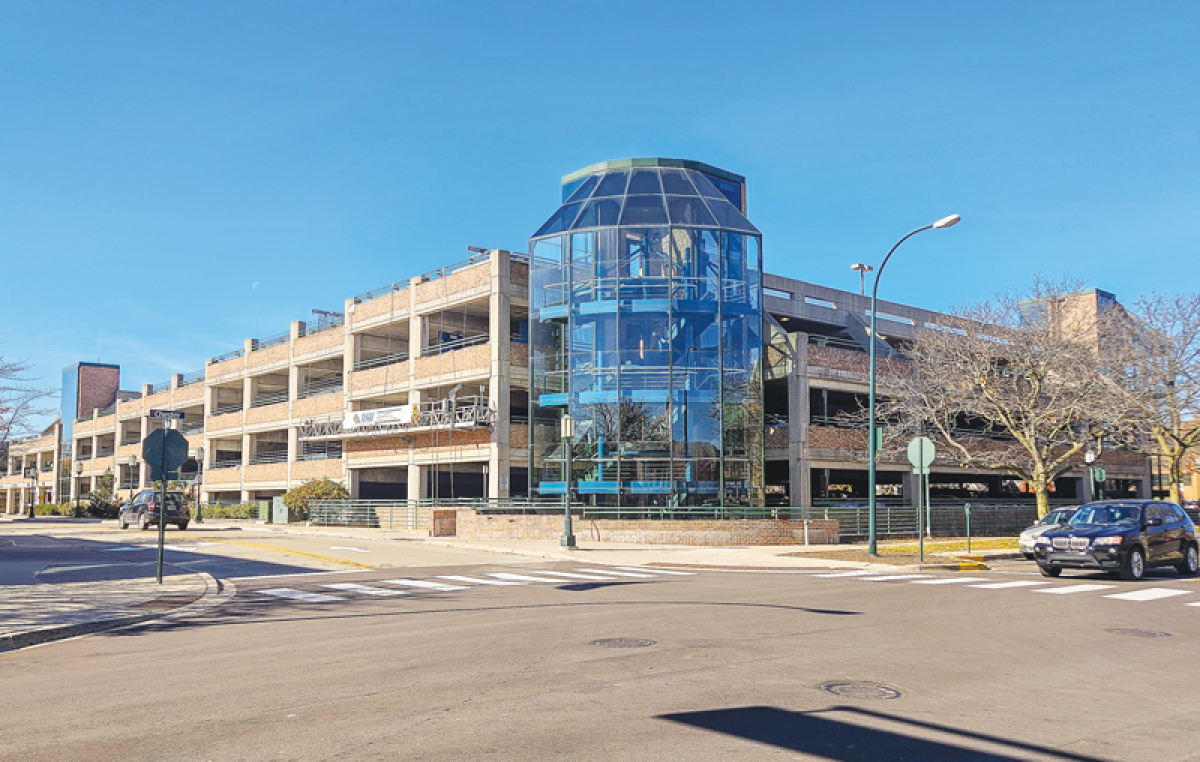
column 1157, row 358
column 1015, row 385
column 20, row 403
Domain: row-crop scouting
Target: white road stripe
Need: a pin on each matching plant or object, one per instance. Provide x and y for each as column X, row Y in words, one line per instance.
column 570, row 575
column 351, row 587
column 300, row 595
column 1068, row 589
column 658, row 571
column 345, row 547
column 1148, row 594
column 617, row 573
column 476, row 580
column 856, row 573
column 1191, row 604
column 522, row 577
column 949, row 580
column 425, row 585
column 886, row 577
column 1008, row 585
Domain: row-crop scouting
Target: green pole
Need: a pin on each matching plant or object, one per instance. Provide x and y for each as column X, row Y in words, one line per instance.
column 967, row 508
column 162, row 506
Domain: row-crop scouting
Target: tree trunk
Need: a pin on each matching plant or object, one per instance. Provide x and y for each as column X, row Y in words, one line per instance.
column 1176, row 476
column 1043, row 500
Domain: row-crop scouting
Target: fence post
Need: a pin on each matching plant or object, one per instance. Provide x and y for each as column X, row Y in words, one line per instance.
column 967, row 509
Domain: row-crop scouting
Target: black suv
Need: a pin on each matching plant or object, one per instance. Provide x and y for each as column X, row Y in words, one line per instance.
column 143, row 510
column 1123, row 536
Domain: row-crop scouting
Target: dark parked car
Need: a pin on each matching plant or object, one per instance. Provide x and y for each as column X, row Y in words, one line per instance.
column 143, row 510
column 1122, row 536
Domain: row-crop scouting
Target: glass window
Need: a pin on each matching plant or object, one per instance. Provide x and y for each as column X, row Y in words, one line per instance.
column 728, row 217
column 689, row 210
column 613, row 184
column 585, row 190
column 599, row 212
column 643, row 210
column 731, row 190
column 675, row 183
column 643, row 256
column 644, row 181
column 704, row 185
column 559, row 221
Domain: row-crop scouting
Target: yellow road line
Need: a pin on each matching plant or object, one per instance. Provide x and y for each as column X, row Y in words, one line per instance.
column 289, row 551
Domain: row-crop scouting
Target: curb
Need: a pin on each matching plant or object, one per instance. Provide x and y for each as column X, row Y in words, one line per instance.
column 215, row 593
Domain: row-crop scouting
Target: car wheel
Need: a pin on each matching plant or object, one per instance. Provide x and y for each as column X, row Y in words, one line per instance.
column 1134, row 565
column 144, row 524
column 182, row 525
column 1050, row 571
column 122, row 523
column 1191, row 562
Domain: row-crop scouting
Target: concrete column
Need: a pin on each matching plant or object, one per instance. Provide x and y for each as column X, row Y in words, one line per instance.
column 143, row 466
column 416, row 330
column 417, row 476
column 176, row 381
column 799, row 471
column 249, row 389
column 499, row 379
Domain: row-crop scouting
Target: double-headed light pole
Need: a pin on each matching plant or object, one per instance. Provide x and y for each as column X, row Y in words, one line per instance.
column 873, row 447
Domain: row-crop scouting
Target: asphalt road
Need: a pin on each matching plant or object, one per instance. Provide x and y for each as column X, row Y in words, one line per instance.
column 293, row 668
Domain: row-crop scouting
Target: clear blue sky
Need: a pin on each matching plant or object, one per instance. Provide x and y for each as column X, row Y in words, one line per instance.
column 182, row 176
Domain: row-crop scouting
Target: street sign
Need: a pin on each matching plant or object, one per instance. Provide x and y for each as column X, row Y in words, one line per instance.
column 164, row 450
column 168, row 415
column 920, row 454
column 1101, row 475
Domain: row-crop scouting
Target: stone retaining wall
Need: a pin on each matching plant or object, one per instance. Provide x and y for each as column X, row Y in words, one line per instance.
column 471, row 524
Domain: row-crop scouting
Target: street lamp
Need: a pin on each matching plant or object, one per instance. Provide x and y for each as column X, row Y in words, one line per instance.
column 132, row 462
column 199, row 477
column 873, row 447
column 1097, row 484
column 78, row 473
column 567, row 431
column 31, row 475
column 862, row 275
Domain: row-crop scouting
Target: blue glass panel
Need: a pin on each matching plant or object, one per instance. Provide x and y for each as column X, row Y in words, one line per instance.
column 690, row 210
column 704, row 185
column 728, row 217
column 596, row 488
column 559, row 221
column 613, row 184
column 644, row 181
column 675, row 183
column 731, row 190
column 644, row 210
column 602, row 212
column 585, row 190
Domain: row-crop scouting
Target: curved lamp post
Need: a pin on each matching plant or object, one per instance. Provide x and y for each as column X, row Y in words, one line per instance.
column 873, row 447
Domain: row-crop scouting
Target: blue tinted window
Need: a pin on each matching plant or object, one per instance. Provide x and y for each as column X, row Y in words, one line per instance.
column 704, row 185
column 599, row 212
column 675, row 183
column 644, row 210
column 613, row 184
column 644, row 181
column 585, row 189
column 729, row 217
column 731, row 190
column 689, row 210
column 559, row 221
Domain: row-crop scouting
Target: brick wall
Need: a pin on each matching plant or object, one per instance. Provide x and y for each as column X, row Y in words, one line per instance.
column 706, row 532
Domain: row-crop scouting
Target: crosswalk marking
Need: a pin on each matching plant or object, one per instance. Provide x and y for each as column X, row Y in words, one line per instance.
column 351, row 587
column 855, row 573
column 1192, row 604
column 658, row 571
column 571, row 575
column 300, row 595
column 1149, row 594
column 1007, row 585
column 522, row 577
column 1068, row 589
column 949, row 580
column 426, row 585
column 886, row 577
column 618, row 573
column 476, row 580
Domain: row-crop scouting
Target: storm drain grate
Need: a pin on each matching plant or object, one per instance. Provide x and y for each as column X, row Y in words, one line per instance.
column 623, row 643
column 1136, row 633
column 862, row 690
column 165, row 602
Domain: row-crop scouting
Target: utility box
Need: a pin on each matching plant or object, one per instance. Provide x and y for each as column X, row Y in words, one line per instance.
column 445, row 524
column 279, row 512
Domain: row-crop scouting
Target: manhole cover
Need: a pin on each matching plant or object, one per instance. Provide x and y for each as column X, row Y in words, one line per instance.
column 1135, row 633
column 623, row 643
column 860, row 690
column 165, row 602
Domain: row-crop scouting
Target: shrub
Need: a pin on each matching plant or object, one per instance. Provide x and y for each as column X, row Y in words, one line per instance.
column 297, row 499
column 230, row 511
column 54, row 509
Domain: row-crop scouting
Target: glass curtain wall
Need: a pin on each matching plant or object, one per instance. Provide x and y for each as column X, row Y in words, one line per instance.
column 646, row 322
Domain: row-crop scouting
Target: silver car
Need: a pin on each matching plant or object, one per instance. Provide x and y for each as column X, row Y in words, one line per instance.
column 1052, row 520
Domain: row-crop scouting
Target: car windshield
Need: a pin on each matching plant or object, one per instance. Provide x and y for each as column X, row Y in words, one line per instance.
column 1057, row 517
column 1108, row 514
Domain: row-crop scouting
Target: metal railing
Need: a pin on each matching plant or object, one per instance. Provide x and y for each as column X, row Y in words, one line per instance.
column 227, row 356
column 195, row 377
column 320, row 386
column 395, row 357
column 320, row 451
column 127, row 396
column 836, row 342
column 234, row 407
column 376, row 514
column 260, row 458
column 270, row 341
column 131, row 440
column 323, row 325
column 163, row 387
column 442, row 272
column 368, row 296
column 270, row 398
column 105, row 452
column 84, row 456
column 107, row 410
column 128, row 484
column 192, row 427
column 446, row 346
column 216, row 465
